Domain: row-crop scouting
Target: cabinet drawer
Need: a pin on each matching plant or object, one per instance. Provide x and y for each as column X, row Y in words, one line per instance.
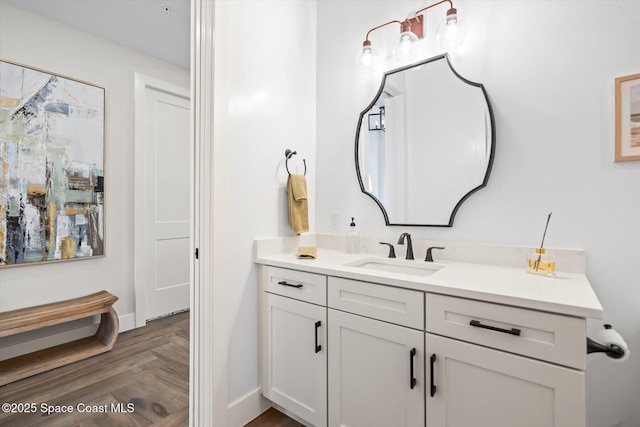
column 552, row 337
column 394, row 305
column 295, row 284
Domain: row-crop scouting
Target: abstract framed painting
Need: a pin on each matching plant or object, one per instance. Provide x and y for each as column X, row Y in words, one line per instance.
column 627, row 91
column 52, row 135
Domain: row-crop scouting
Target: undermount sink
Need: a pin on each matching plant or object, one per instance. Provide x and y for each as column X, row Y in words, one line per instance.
column 401, row 266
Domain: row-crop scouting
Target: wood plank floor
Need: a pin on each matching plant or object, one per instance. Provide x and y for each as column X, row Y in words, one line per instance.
column 145, row 377
column 273, row 418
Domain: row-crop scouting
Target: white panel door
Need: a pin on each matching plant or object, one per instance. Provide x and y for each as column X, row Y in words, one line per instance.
column 376, row 375
column 482, row 387
column 167, row 202
column 294, row 370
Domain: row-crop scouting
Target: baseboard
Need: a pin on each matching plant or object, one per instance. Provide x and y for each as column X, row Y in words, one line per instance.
column 28, row 342
column 248, row 407
column 127, row 322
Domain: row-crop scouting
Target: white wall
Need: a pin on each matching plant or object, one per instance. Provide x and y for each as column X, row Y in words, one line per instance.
column 548, row 67
column 34, row 41
column 271, row 107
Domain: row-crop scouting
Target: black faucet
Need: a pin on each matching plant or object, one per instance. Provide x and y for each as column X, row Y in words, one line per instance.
column 392, row 251
column 409, row 244
column 429, row 257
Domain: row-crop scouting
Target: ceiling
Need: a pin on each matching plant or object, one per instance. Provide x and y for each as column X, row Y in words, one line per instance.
column 159, row 28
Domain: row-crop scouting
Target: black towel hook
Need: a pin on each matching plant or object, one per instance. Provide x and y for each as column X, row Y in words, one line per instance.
column 288, row 154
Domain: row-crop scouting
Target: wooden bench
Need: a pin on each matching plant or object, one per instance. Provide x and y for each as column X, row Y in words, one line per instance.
column 31, row 318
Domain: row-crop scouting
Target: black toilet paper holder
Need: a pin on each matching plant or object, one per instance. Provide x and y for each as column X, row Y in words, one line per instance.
column 611, row 350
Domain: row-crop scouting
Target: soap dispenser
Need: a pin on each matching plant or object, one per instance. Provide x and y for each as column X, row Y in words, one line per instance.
column 352, row 239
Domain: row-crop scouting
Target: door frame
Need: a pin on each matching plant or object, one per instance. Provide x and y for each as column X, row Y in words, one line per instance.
column 140, row 280
column 208, row 376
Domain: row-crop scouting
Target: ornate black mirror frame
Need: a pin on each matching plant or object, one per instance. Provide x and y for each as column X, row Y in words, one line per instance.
column 364, row 119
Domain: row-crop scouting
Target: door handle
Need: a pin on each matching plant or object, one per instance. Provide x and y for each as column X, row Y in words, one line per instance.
column 433, row 381
column 283, row 283
column 412, row 380
column 318, row 324
column 513, row 331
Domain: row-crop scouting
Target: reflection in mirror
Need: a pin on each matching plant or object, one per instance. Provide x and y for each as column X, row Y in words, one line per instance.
column 425, row 143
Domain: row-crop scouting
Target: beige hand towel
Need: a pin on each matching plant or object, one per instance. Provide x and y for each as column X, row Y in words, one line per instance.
column 307, row 252
column 298, row 204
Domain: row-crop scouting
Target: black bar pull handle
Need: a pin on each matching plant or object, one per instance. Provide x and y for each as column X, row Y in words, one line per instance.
column 283, row 283
column 433, row 380
column 512, row 331
column 318, row 324
column 412, row 380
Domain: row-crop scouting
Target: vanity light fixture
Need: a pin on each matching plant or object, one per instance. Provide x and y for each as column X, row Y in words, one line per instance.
column 450, row 34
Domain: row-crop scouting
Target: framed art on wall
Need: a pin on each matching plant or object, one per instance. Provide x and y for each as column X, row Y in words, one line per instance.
column 627, row 98
column 51, row 167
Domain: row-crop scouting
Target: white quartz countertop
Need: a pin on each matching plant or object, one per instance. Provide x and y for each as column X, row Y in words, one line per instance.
column 567, row 293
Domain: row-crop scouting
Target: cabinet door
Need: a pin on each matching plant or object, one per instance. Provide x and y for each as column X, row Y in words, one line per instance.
column 294, row 369
column 376, row 373
column 482, row 387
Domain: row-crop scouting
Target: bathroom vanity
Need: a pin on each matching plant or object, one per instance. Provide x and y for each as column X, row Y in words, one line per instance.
column 364, row 340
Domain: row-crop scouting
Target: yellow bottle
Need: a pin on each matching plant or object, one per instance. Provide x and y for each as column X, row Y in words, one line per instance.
column 541, row 263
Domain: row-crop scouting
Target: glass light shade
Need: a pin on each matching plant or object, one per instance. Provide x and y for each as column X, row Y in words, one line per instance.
column 451, row 32
column 367, row 57
column 406, row 46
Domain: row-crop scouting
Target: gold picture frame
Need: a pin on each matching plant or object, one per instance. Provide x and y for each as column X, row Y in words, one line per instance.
column 627, row 120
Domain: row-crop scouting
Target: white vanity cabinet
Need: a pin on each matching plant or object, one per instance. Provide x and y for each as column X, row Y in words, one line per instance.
column 473, row 383
column 376, row 369
column 352, row 352
column 294, row 337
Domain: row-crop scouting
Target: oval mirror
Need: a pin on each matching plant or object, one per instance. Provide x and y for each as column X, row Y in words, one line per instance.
column 425, row 143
